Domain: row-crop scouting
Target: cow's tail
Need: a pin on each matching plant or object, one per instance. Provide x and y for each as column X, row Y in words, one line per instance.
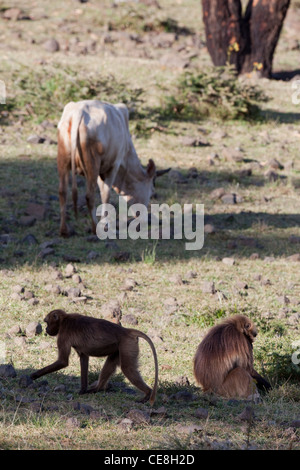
column 76, row 119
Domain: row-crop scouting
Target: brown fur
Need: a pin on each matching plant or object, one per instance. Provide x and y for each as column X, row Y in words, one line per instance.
column 95, row 337
column 223, row 363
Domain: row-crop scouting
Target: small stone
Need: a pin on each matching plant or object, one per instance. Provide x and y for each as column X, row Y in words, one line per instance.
column 76, row 278
column 74, row 292
column 25, row 381
column 59, row 388
column 51, row 45
column 92, row 255
column 247, row 414
column 129, row 284
column 14, row 330
column 271, row 175
column 182, row 381
column 45, row 252
column 294, row 257
column 35, row 139
column 284, row 300
column 33, row 329
column 20, row 341
column 70, row 270
column 177, row 177
column 191, row 275
column 7, row 370
column 112, row 311
column 130, row 319
column 275, row 164
column 27, row 220
column 160, row 412
column 16, row 296
column 231, row 198
column 241, row 285
column 36, row 210
column 138, row 416
column 28, row 294
column 126, row 424
column 209, row 228
column 295, row 423
column 176, row 279
column 208, row 287
column 201, row 413
column 29, row 240
column 217, row 193
column 18, row 289
column 228, row 261
column 33, row 301
column 73, row 423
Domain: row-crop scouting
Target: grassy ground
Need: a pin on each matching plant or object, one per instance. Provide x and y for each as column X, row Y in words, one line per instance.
column 260, row 232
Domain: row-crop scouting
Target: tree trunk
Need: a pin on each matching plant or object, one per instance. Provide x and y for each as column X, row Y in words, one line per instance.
column 248, row 40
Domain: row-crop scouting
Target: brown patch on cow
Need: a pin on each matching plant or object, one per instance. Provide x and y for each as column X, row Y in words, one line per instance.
column 69, row 128
column 99, row 148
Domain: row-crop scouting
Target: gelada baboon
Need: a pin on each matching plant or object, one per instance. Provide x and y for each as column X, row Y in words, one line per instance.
column 223, row 363
column 94, row 337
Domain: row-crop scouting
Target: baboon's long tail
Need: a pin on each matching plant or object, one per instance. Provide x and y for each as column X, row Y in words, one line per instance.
column 149, row 341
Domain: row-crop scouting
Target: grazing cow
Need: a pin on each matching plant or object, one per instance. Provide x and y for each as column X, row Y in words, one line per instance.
column 94, row 140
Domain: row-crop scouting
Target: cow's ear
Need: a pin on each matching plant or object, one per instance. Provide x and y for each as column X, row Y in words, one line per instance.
column 151, row 168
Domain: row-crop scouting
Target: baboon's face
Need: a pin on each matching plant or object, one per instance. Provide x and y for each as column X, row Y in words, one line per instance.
column 250, row 330
column 52, row 321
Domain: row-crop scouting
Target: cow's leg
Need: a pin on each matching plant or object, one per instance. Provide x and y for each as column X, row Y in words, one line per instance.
column 90, row 200
column 63, row 166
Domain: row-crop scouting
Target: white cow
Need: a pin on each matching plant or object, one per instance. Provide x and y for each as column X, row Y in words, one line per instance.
column 94, row 140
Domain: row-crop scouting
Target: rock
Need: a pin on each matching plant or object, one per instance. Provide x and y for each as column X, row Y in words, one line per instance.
column 193, row 172
column 16, row 296
column 20, row 341
column 284, row 300
column 35, row 139
column 73, row 423
column 14, row 330
column 191, row 275
column 129, row 284
column 53, row 289
column 241, row 285
column 208, row 287
column 74, row 292
column 25, row 381
column 29, row 240
column 51, row 45
column 126, row 424
column 209, row 228
column 138, row 416
column 36, row 210
column 70, row 270
column 231, row 198
column 177, row 177
column 247, row 414
column 76, row 278
column 45, row 252
column 182, row 381
column 27, row 220
column 235, row 155
column 7, row 370
column 112, row 311
column 183, row 395
column 176, row 279
column 130, row 319
column 228, row 261
column 121, row 256
column 28, row 294
column 18, row 289
column 294, row 257
column 33, row 329
column 60, row 388
column 275, row 164
column 188, row 429
column 33, row 301
column 217, row 193
column 201, row 413
column 12, row 14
